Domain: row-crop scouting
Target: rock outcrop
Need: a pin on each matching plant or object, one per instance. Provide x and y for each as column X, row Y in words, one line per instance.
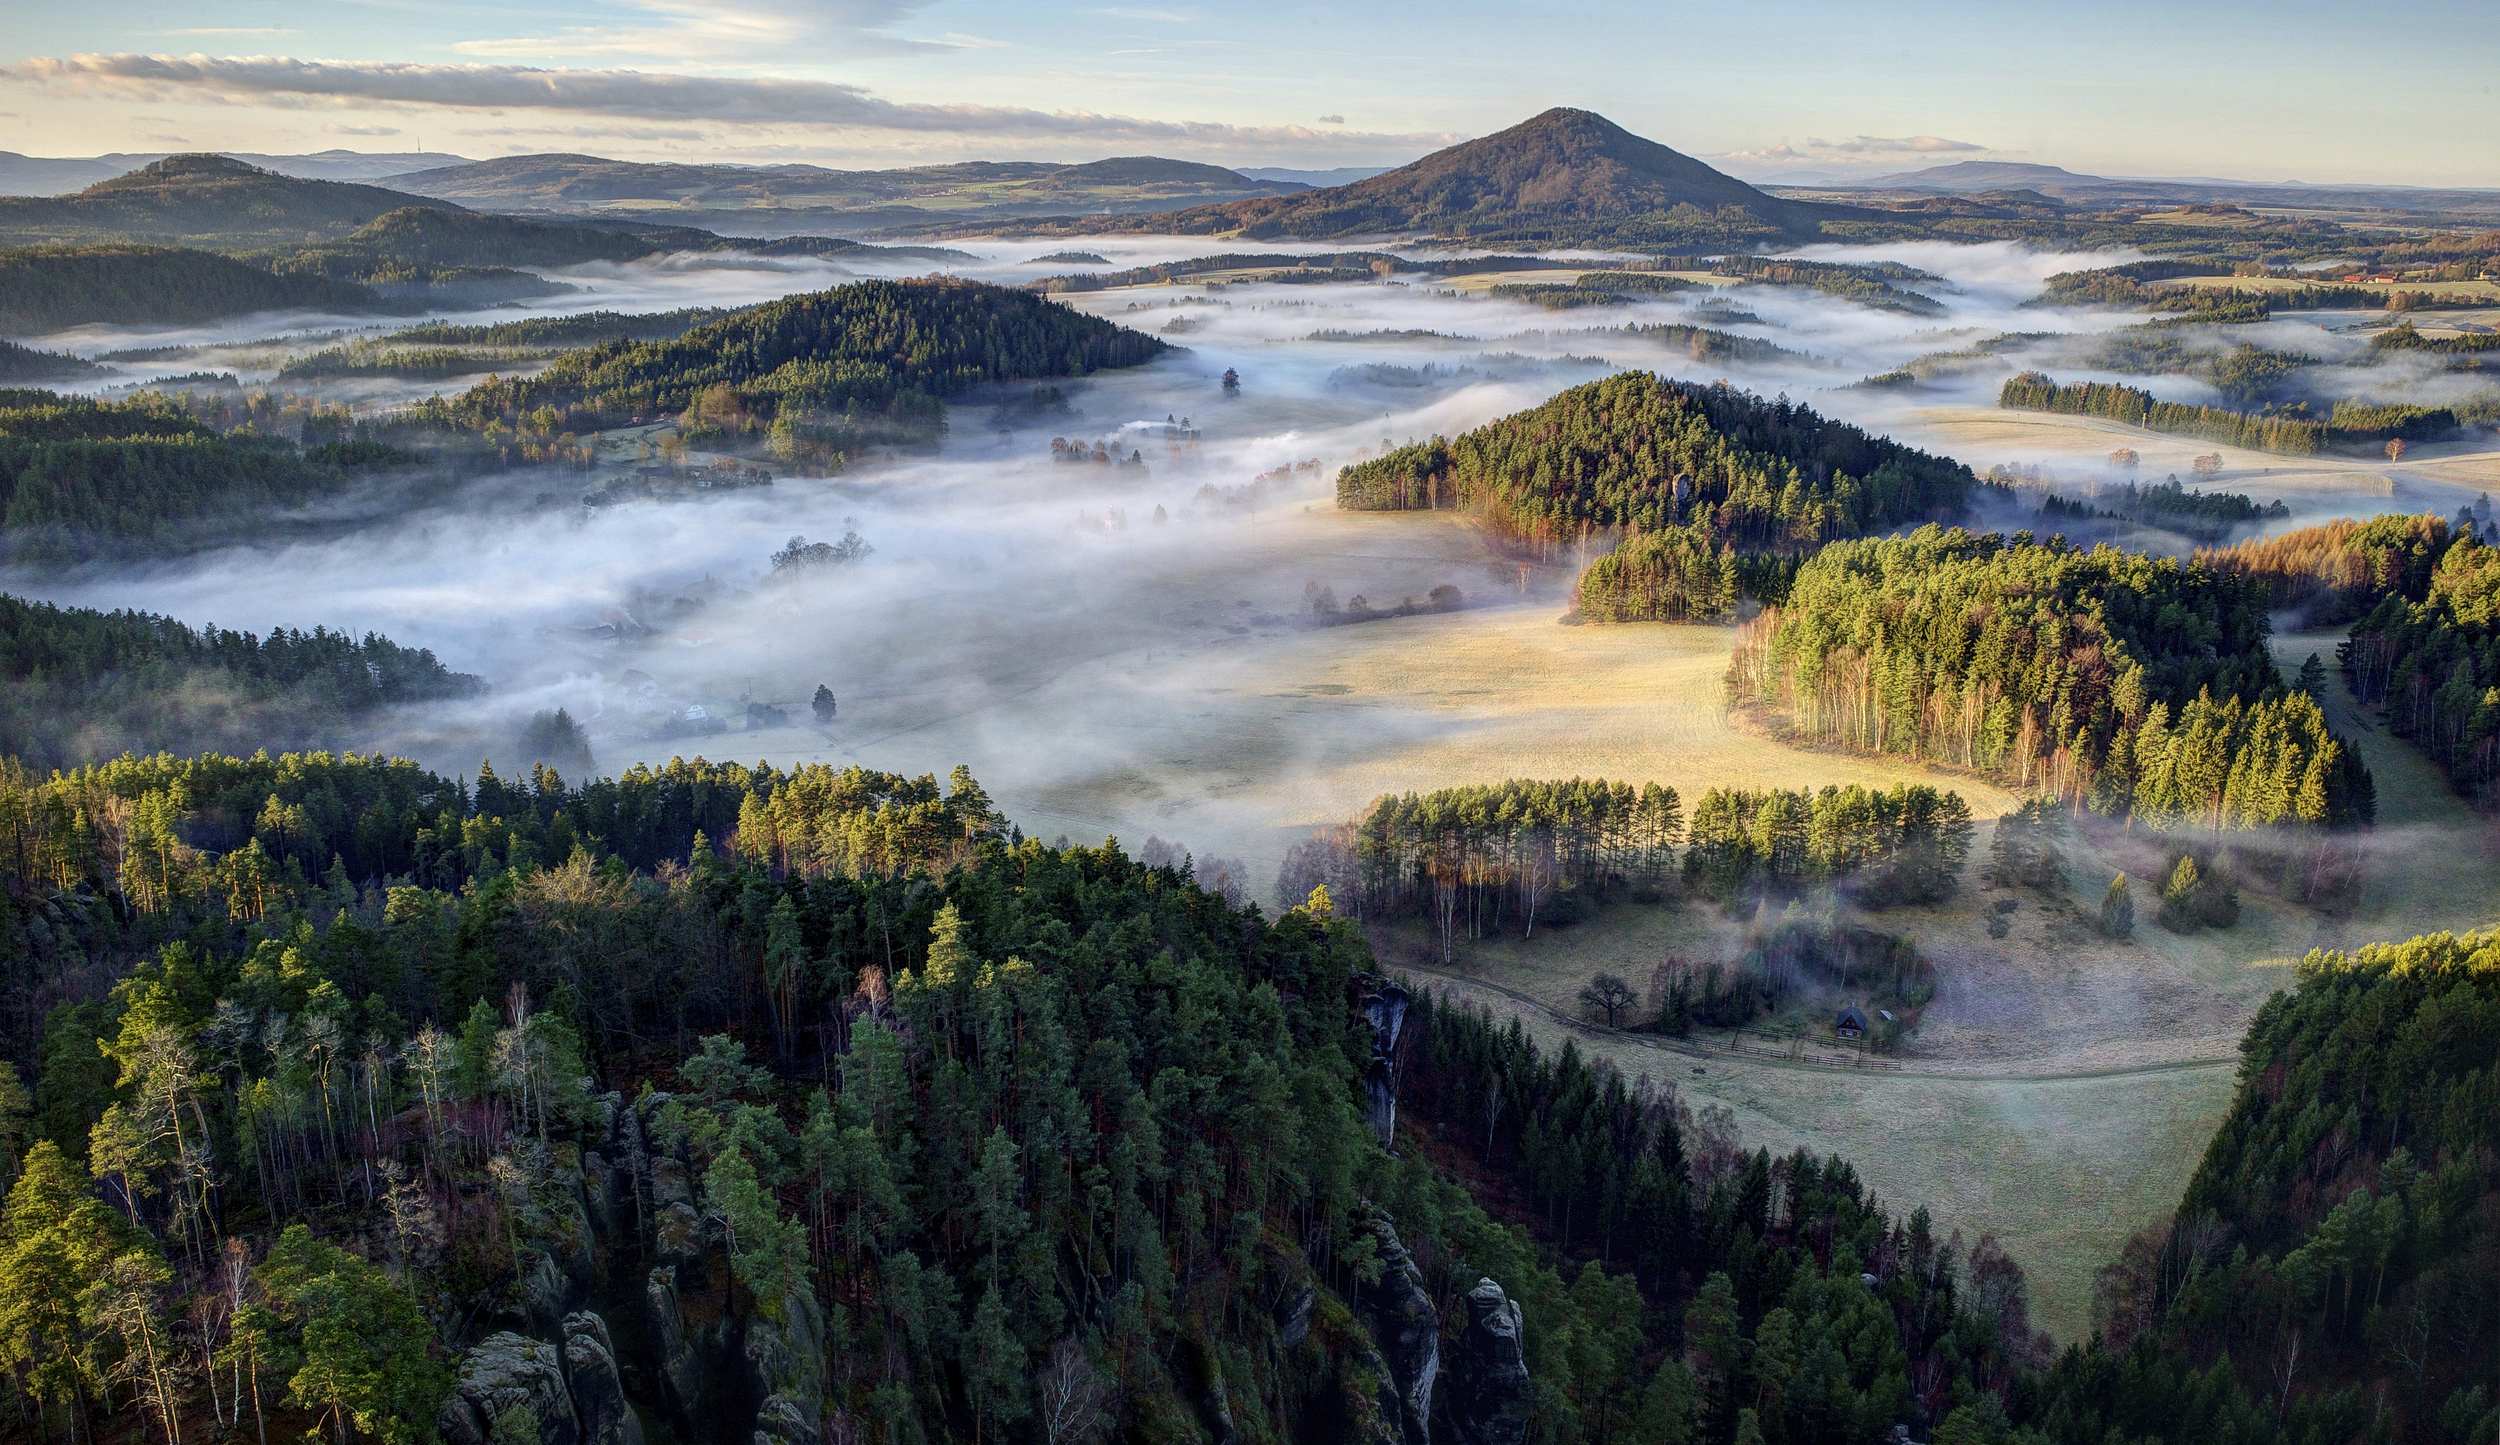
column 598, row 1389
column 1385, row 1007
column 1489, row 1388
column 506, row 1372
column 1409, row 1332
column 615, row 1214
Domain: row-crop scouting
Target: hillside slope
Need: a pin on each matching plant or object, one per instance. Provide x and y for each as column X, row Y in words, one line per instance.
column 201, row 198
column 1563, row 174
column 51, row 288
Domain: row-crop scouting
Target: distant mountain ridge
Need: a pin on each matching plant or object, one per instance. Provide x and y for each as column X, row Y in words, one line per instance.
column 563, row 181
column 24, row 175
column 1983, row 176
column 1974, row 177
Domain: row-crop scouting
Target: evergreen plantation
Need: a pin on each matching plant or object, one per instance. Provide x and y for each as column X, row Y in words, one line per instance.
column 1477, row 861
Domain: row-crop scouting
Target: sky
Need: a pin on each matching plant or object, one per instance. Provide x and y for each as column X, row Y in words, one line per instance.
column 1812, row 89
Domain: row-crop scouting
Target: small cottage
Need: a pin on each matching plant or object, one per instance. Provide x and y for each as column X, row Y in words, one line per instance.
column 1851, row 1024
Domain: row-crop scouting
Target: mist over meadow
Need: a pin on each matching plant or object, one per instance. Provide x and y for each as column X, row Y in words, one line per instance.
column 1039, row 618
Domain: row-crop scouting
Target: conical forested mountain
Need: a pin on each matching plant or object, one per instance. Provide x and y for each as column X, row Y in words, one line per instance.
column 1559, row 174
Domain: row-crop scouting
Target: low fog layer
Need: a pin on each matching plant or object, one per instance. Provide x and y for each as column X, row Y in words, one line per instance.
column 1081, row 633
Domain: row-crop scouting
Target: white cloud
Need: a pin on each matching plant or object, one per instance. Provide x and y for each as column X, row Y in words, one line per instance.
column 583, row 132
column 285, row 82
column 336, row 129
column 1865, row 145
column 729, row 30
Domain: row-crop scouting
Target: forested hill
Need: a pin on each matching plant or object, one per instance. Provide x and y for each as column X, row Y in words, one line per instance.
column 868, row 348
column 50, row 288
column 2129, row 682
column 1634, row 452
column 876, row 1122
column 79, row 475
column 2332, row 1260
column 202, row 197
column 1560, row 176
column 83, row 685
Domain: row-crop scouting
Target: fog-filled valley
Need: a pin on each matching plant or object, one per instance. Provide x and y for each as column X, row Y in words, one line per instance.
column 1581, row 802
column 1116, row 646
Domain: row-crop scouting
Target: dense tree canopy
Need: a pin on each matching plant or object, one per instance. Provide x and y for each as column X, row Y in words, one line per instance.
column 2339, row 570
column 2433, row 663
column 863, row 349
column 2133, row 683
column 1636, row 453
column 52, row 288
column 76, row 473
column 85, row 685
column 2347, row 1203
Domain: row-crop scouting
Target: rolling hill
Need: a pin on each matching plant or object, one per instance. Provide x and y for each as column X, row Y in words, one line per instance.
column 51, row 288
column 563, row 182
column 202, row 199
column 25, row 175
column 1975, row 176
column 1566, row 175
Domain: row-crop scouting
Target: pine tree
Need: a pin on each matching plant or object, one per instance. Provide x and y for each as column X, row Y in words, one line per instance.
column 2118, row 909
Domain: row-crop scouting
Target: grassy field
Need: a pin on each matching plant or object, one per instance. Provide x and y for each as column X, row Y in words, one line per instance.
column 2434, row 476
column 2281, row 283
column 2061, row 1169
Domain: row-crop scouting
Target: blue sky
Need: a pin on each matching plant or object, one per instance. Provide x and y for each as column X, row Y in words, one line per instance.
column 2398, row 93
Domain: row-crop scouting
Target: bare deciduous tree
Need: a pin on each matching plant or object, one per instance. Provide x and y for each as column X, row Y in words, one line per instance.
column 1075, row 1398
column 1606, row 994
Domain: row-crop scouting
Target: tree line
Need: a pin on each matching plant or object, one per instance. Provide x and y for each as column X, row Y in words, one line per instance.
column 77, row 472
column 441, row 349
column 2034, row 391
column 2205, row 516
column 52, row 288
column 85, row 684
column 1477, row 861
column 2132, row 684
